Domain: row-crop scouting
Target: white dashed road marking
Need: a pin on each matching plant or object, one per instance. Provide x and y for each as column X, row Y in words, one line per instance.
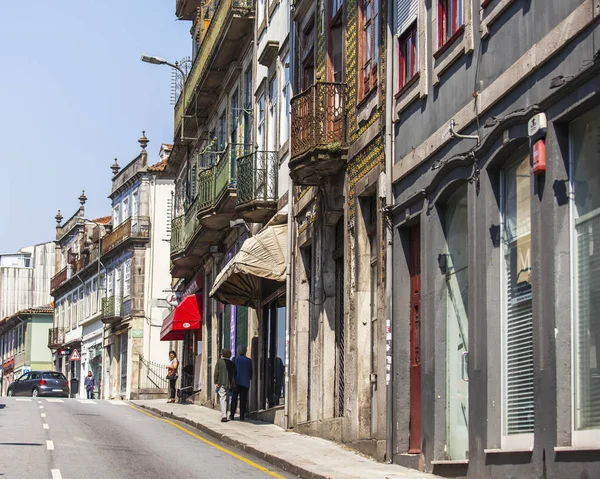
column 54, row 400
column 39, row 402
column 116, row 403
column 50, row 445
column 41, row 407
column 23, row 400
column 43, row 415
column 45, row 426
column 86, row 401
column 56, row 474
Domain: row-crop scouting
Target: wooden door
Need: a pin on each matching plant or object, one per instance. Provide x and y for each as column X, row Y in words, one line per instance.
column 414, row 444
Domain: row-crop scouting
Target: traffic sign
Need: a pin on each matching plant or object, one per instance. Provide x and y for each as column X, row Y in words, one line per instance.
column 74, row 356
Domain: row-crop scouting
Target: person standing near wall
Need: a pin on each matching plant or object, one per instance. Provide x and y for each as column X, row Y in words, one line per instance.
column 223, row 377
column 89, row 383
column 242, row 377
column 172, row 374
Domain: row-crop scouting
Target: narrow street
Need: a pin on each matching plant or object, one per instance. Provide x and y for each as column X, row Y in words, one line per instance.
column 71, row 438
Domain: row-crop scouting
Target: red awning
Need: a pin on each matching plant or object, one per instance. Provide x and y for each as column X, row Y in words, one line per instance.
column 185, row 317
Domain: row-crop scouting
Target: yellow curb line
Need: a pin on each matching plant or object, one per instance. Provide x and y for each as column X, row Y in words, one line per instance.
column 210, row 443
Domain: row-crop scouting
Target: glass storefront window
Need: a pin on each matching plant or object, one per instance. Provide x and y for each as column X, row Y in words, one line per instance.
column 585, row 209
column 274, row 352
column 457, row 325
column 517, row 321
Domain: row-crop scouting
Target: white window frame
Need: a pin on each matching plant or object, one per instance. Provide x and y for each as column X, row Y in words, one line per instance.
column 508, row 441
column 260, row 124
column 127, row 279
column 116, row 216
column 126, row 210
column 95, row 299
column 284, row 104
column 589, row 437
column 272, row 127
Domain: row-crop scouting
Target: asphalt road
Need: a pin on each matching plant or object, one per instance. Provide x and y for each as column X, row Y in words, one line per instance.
column 72, row 438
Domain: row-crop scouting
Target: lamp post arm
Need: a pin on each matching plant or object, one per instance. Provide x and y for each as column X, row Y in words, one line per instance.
column 178, row 68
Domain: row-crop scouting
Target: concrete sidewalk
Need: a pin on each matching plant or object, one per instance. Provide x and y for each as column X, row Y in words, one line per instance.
column 302, row 455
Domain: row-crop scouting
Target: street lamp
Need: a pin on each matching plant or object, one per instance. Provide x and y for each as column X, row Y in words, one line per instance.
column 161, row 61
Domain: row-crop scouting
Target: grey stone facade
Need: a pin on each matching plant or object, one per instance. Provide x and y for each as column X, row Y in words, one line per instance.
column 493, row 91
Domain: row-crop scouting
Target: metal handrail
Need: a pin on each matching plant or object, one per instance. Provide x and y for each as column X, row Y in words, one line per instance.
column 257, row 177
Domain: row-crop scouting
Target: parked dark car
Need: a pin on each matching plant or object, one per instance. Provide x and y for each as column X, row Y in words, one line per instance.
column 40, row 383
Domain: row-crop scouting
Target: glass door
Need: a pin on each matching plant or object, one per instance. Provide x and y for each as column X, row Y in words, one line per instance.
column 457, row 327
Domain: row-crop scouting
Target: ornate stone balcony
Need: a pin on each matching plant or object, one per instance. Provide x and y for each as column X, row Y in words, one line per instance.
column 319, row 137
column 257, row 186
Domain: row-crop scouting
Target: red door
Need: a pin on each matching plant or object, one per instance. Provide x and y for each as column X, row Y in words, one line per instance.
column 414, row 444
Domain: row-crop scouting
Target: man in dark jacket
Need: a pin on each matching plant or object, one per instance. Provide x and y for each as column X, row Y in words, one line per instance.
column 223, row 377
column 89, row 383
column 243, row 375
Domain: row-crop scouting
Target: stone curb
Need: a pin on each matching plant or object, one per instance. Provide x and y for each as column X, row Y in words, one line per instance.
column 270, row 458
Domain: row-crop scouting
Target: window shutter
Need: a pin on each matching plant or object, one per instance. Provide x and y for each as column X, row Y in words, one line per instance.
column 519, row 362
column 406, row 14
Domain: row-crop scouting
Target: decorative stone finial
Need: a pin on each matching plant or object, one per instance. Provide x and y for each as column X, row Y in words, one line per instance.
column 115, row 167
column 82, row 198
column 58, row 218
column 143, row 141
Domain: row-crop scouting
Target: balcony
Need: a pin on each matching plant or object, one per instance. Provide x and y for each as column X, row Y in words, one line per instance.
column 112, row 310
column 59, row 278
column 319, row 142
column 217, row 188
column 186, row 9
column 189, row 241
column 56, row 338
column 257, row 186
column 134, row 228
column 231, row 23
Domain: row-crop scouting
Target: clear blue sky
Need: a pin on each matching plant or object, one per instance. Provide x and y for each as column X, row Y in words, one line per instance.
column 73, row 96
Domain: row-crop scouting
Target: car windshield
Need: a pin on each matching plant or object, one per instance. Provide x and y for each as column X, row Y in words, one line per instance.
column 54, row 376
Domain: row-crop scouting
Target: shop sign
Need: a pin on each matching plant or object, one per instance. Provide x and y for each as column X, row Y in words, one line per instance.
column 137, row 333
column 173, row 299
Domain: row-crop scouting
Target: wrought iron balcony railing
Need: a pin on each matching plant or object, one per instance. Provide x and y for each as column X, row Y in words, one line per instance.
column 319, row 118
column 59, row 278
column 219, row 13
column 257, row 177
column 135, row 227
column 56, row 338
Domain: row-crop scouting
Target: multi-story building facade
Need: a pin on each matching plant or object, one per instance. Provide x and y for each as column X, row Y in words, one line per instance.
column 495, row 364
column 23, row 337
column 213, row 149
column 337, row 329
column 112, row 281
column 25, row 278
column 78, row 293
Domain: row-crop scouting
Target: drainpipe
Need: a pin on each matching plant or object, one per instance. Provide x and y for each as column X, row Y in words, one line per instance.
column 389, row 165
column 290, row 237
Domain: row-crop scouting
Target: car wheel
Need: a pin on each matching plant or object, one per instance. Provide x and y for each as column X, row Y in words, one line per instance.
column 34, row 393
column 9, row 392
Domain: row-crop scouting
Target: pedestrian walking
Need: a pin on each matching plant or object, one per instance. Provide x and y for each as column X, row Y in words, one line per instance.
column 89, row 383
column 172, row 374
column 223, row 377
column 241, row 384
